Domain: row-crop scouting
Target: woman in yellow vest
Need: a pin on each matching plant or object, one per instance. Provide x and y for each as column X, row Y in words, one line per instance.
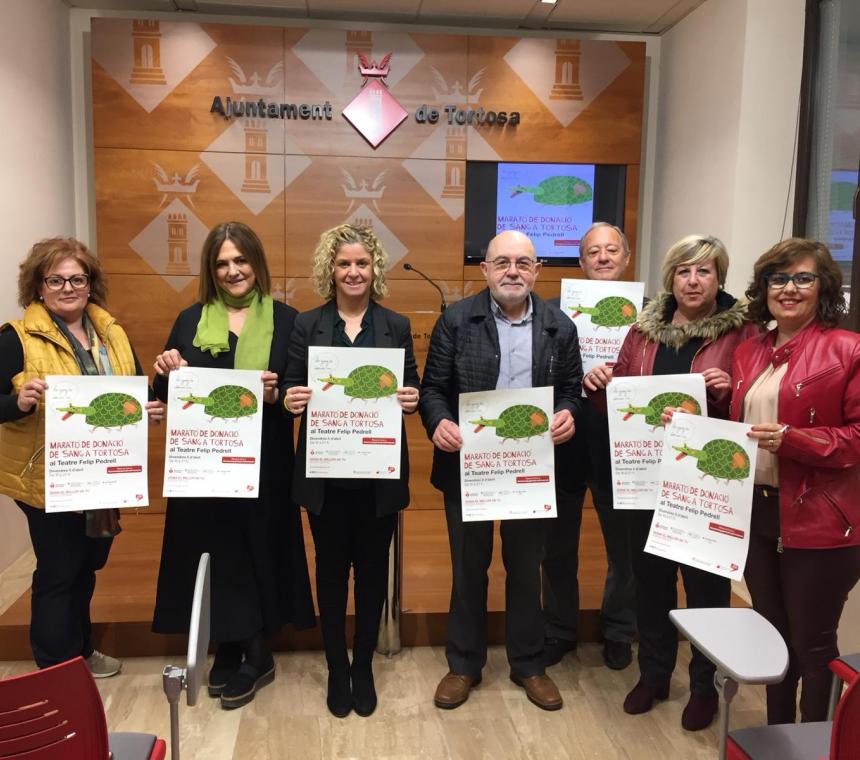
column 65, row 330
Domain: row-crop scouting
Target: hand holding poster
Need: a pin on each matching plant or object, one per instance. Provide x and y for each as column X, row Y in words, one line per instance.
column 214, row 428
column 705, row 497
column 507, row 465
column 603, row 312
column 95, row 442
column 634, row 406
column 354, row 421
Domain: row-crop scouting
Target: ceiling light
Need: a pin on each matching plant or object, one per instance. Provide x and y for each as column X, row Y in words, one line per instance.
column 548, row 2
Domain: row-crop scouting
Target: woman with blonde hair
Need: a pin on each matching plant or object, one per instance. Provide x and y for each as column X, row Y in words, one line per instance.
column 65, row 330
column 352, row 520
column 692, row 326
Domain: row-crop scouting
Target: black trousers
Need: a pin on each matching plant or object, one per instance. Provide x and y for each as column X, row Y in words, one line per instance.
column 347, row 533
column 63, row 584
column 584, row 461
column 656, row 595
column 471, row 546
column 802, row 593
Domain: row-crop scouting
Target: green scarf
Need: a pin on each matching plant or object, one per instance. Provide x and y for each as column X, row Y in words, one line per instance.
column 255, row 342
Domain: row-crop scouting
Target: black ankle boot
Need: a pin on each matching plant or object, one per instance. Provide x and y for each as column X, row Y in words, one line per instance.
column 339, row 698
column 228, row 658
column 363, row 689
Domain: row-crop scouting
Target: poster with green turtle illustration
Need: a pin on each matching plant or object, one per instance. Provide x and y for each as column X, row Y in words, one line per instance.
column 705, row 493
column 551, row 203
column 634, row 406
column 95, row 453
column 603, row 312
column 354, row 422
column 507, row 465
column 214, row 430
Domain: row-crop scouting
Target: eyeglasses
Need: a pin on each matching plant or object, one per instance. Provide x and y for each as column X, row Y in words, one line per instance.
column 801, row 280
column 522, row 264
column 77, row 281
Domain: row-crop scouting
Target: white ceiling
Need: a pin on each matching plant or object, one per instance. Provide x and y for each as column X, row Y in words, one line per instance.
column 632, row 16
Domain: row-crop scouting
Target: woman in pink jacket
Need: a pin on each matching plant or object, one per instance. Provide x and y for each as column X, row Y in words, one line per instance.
column 799, row 385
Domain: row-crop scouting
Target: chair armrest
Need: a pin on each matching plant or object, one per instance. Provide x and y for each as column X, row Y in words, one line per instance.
column 739, row 641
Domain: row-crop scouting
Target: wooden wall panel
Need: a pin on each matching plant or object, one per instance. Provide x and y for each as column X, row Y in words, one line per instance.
column 166, row 168
column 392, row 197
column 161, row 98
column 139, row 192
column 594, row 118
column 323, row 65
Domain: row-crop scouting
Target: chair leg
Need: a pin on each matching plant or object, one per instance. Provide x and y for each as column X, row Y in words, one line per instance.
column 726, row 689
column 835, row 693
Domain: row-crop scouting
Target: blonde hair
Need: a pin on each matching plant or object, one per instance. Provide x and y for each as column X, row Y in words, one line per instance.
column 694, row 249
column 330, row 243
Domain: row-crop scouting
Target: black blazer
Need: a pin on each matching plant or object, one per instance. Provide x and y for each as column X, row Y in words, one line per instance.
column 316, row 328
column 464, row 357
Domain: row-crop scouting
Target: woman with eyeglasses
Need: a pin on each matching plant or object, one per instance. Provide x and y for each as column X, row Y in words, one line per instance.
column 692, row 326
column 65, row 330
column 799, row 386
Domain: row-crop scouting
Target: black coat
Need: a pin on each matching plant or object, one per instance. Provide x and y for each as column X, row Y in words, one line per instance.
column 259, row 570
column 464, row 357
column 316, row 328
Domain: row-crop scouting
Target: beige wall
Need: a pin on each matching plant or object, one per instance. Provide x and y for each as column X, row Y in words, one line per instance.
column 729, row 83
column 36, row 155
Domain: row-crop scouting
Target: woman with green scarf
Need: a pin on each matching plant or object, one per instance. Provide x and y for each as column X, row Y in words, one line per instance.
column 259, row 571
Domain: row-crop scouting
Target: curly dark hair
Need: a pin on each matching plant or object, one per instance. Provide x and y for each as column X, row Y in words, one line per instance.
column 831, row 305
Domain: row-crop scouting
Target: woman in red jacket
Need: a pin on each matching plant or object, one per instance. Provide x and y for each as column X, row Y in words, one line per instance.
column 693, row 326
column 799, row 385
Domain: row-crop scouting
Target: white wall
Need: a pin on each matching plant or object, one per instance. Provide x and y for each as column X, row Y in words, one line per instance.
column 36, row 194
column 729, row 84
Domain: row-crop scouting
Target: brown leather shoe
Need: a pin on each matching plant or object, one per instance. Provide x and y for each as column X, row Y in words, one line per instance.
column 540, row 690
column 454, row 689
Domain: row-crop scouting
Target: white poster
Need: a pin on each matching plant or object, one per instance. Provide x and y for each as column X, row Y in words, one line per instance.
column 603, row 313
column 507, row 469
column 214, row 429
column 95, row 442
column 705, row 497
column 634, row 406
column 354, row 421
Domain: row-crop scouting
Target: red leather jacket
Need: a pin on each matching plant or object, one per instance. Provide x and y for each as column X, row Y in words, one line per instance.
column 722, row 333
column 819, row 457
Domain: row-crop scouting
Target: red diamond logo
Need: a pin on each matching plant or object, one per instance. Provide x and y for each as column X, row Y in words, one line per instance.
column 374, row 112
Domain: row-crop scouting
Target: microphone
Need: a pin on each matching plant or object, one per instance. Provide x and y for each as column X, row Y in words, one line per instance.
column 409, row 268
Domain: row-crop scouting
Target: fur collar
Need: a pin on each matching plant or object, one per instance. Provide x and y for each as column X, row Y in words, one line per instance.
column 655, row 320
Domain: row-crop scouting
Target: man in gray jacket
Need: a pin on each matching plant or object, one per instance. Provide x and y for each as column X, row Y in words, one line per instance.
column 503, row 337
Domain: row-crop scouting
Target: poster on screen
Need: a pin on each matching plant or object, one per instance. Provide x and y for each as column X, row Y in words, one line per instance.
column 507, row 465
column 214, row 430
column 354, row 421
column 634, row 406
column 705, row 495
column 603, row 313
column 95, row 442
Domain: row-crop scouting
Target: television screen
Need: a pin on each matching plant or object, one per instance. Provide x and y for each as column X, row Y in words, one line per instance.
column 553, row 203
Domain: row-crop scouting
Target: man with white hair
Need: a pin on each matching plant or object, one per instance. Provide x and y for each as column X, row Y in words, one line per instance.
column 503, row 337
column 604, row 255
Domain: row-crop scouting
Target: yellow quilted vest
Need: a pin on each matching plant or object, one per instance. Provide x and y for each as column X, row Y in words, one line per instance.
column 47, row 352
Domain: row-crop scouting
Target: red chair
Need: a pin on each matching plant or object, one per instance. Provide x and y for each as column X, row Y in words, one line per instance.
column 804, row 741
column 845, row 669
column 57, row 714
